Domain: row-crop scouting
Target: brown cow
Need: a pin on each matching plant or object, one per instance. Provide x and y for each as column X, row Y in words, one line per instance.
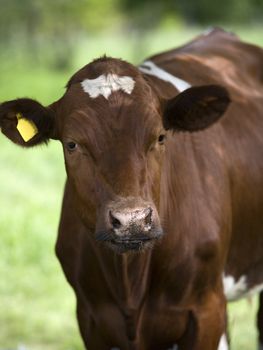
column 158, row 205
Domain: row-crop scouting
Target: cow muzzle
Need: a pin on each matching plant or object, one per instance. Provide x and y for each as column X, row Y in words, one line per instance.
column 129, row 224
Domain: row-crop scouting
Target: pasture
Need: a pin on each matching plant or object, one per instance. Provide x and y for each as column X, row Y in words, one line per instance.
column 37, row 306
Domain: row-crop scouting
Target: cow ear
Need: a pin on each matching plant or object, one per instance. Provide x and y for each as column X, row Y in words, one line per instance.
column 26, row 122
column 195, row 108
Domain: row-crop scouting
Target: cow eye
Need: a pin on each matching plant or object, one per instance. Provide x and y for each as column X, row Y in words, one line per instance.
column 71, row 146
column 161, row 139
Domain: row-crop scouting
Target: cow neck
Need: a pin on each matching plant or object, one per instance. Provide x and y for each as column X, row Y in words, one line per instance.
column 127, row 276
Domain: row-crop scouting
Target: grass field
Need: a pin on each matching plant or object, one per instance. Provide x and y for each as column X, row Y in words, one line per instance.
column 37, row 307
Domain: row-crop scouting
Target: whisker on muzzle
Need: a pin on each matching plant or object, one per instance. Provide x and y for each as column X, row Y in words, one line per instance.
column 103, row 236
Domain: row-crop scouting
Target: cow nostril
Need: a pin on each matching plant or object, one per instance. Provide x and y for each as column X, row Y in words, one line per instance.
column 148, row 218
column 114, row 221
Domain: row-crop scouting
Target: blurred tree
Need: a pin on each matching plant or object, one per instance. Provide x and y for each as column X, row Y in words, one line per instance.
column 207, row 11
column 151, row 12
column 147, row 13
column 53, row 25
column 49, row 30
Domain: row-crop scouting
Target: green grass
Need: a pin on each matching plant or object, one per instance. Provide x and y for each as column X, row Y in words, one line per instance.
column 37, row 306
column 242, row 317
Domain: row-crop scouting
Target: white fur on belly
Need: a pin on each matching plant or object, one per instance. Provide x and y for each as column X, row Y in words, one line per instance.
column 106, row 84
column 148, row 67
column 235, row 289
column 223, row 345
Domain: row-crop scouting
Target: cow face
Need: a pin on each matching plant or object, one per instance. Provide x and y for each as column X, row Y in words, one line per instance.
column 112, row 126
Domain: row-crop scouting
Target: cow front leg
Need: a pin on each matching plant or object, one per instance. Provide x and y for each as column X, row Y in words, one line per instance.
column 99, row 333
column 260, row 322
column 207, row 325
column 90, row 334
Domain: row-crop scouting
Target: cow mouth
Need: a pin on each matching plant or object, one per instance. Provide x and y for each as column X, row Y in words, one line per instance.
column 130, row 242
column 125, row 245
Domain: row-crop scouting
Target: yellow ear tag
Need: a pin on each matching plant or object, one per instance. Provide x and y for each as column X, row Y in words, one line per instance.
column 27, row 129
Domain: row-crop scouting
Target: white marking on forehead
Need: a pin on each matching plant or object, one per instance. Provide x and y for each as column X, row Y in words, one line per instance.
column 238, row 289
column 223, row 345
column 175, row 347
column 148, row 67
column 115, row 348
column 105, row 84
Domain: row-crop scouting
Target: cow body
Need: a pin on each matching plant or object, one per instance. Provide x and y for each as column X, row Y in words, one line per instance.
column 206, row 186
column 211, row 204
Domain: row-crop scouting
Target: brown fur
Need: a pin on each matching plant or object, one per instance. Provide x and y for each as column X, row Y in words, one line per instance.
column 205, row 189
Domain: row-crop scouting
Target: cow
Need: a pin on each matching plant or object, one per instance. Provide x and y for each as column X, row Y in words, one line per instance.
column 161, row 220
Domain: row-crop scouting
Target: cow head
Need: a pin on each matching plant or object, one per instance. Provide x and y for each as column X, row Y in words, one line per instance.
column 113, row 126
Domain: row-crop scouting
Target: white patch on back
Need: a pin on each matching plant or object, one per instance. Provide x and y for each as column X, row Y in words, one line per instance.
column 223, row 345
column 106, row 84
column 148, row 67
column 239, row 289
column 208, row 31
